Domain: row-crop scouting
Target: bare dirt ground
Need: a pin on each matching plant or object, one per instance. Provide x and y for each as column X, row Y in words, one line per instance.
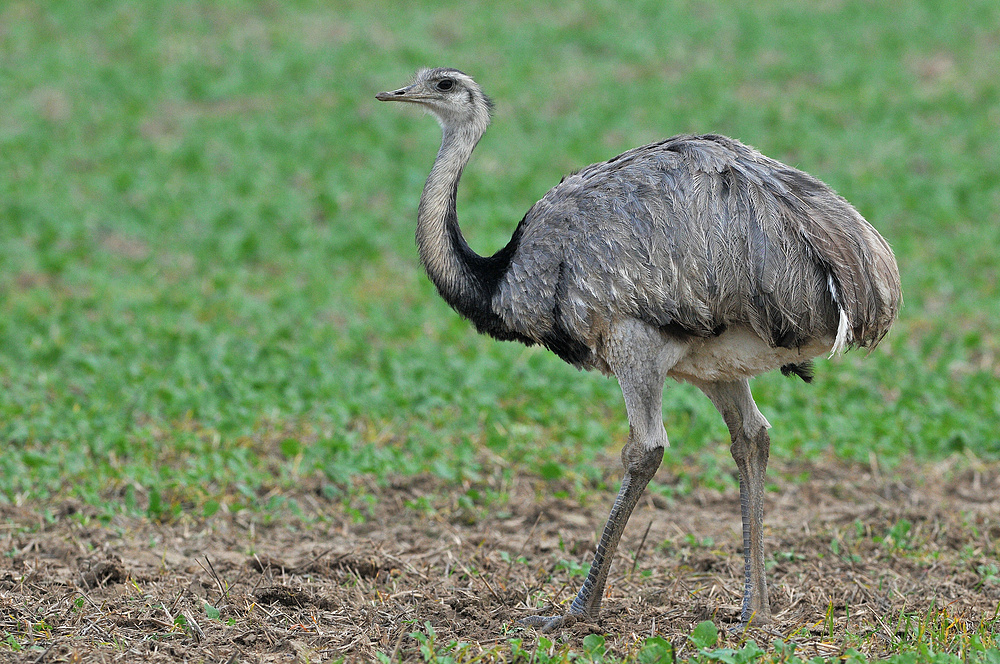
column 851, row 549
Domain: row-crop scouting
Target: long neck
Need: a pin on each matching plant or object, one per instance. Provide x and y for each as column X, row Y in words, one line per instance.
column 446, row 256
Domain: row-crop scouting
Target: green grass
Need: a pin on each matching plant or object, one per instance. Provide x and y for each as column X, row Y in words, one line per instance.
column 928, row 640
column 206, row 228
column 208, row 283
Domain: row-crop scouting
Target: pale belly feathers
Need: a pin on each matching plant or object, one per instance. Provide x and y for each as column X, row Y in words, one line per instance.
column 737, row 354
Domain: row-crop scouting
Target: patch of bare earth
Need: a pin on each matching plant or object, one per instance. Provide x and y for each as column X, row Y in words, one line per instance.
column 850, row 550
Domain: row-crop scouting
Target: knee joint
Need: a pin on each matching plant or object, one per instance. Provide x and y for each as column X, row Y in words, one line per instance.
column 748, row 444
column 640, row 461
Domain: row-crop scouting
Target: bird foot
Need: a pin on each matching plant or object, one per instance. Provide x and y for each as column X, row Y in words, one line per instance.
column 738, row 629
column 546, row 624
column 742, row 627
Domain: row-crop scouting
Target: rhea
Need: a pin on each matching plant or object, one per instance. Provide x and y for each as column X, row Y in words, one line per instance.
column 695, row 258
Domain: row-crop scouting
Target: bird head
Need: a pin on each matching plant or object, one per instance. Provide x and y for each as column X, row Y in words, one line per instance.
column 450, row 95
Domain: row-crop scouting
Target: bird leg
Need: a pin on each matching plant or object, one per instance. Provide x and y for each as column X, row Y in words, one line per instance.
column 640, row 360
column 750, row 447
column 640, row 465
column 751, row 459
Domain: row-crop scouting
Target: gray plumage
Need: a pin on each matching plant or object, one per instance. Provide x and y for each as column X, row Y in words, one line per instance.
column 698, row 234
column 696, row 257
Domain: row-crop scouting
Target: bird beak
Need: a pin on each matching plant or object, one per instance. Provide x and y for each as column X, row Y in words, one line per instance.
column 403, row 94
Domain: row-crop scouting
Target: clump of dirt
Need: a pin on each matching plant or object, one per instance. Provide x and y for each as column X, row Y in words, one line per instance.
column 286, row 596
column 104, row 572
column 850, row 550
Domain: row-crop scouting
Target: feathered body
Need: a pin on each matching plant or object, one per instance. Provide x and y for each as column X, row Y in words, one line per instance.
column 695, row 236
column 696, row 257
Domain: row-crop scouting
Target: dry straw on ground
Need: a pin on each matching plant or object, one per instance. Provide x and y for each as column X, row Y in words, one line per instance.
column 853, row 549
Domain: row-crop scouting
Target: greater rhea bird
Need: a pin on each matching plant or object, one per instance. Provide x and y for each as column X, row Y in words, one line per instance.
column 695, row 258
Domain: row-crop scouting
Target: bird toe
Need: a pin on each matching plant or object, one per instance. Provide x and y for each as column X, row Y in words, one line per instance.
column 546, row 624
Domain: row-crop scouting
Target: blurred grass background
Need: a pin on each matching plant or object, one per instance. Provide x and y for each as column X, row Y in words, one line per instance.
column 208, row 284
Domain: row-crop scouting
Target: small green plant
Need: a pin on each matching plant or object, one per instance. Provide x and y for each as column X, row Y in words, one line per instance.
column 705, row 543
column 421, row 504
column 788, row 556
column 545, row 653
column 988, row 574
column 898, row 536
column 506, row 557
column 705, row 635
column 12, row 642
column 573, row 567
column 839, row 549
column 594, row 648
column 656, row 650
column 434, row 653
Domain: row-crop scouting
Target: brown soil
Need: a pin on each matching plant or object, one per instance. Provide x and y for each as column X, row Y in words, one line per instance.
column 328, row 584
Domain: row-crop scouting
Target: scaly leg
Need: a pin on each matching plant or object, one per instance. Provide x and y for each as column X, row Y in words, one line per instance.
column 751, row 458
column 640, row 466
column 640, row 357
column 750, row 448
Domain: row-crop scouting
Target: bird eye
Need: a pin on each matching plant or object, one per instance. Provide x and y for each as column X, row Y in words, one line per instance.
column 445, row 84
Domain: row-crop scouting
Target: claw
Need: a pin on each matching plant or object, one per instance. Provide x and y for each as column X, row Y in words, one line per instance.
column 741, row 628
column 738, row 629
column 546, row 624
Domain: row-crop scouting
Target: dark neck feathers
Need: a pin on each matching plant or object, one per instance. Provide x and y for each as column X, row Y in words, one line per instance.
column 466, row 280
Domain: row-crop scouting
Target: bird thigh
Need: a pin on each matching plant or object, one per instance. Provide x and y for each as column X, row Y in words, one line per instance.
column 640, row 357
